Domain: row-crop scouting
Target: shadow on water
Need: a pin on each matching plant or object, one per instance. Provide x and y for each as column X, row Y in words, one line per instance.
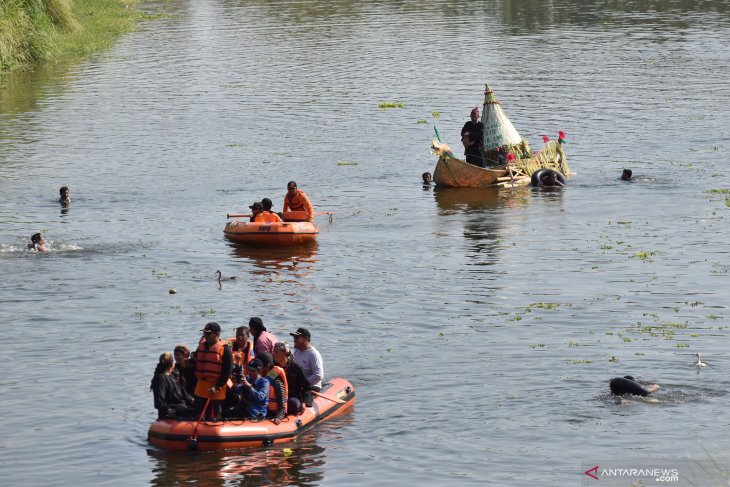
column 301, row 462
column 299, row 261
column 24, row 90
column 523, row 15
column 469, row 200
column 483, row 210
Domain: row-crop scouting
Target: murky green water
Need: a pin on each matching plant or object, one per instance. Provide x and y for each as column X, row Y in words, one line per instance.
column 480, row 328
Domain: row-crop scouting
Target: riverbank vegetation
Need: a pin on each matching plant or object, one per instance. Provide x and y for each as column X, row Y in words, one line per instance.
column 34, row 31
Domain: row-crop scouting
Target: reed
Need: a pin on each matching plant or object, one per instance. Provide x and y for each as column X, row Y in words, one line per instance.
column 34, row 31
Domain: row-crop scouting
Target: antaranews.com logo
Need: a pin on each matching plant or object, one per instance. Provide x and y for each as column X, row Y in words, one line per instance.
column 607, row 475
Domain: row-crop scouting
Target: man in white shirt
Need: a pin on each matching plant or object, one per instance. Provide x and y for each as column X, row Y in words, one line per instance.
column 308, row 358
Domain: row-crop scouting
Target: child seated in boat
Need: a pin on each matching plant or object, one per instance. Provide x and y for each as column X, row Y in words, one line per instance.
column 253, row 392
column 278, row 389
column 37, row 243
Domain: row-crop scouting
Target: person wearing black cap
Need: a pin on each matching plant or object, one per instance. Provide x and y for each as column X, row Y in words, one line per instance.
column 268, row 215
column 308, row 358
column 253, row 392
column 213, row 366
column 256, row 210
column 263, row 341
column 278, row 388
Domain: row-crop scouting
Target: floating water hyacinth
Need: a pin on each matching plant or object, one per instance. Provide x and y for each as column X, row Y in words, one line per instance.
column 347, row 163
column 391, row 104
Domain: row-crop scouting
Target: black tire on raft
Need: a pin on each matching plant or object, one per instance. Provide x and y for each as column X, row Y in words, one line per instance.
column 540, row 173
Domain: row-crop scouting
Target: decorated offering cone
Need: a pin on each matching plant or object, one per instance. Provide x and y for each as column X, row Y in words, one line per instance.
column 500, row 136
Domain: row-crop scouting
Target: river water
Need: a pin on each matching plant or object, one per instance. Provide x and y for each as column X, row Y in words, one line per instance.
column 480, row 328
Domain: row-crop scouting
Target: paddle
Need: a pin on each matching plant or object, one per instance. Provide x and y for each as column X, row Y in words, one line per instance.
column 333, row 399
column 192, row 440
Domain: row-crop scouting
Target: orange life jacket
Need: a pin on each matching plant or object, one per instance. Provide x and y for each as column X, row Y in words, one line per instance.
column 267, row 217
column 273, row 373
column 240, row 357
column 209, row 362
column 300, row 202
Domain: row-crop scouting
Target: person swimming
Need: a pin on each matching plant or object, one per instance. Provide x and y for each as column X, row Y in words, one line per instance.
column 65, row 199
column 626, row 175
column 427, row 179
column 37, row 243
column 627, row 385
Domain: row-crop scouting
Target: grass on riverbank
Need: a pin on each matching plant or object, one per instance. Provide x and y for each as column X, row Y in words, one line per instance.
column 34, row 31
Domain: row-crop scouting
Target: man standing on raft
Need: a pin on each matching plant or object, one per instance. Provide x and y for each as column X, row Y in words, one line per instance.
column 472, row 136
column 213, row 366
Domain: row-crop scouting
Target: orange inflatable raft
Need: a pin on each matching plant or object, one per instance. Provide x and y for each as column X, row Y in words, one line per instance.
column 288, row 232
column 336, row 398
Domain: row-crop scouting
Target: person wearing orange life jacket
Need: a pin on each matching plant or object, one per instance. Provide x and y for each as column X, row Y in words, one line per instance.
column 242, row 350
column 259, row 215
column 213, row 365
column 278, row 387
column 268, row 214
column 296, row 200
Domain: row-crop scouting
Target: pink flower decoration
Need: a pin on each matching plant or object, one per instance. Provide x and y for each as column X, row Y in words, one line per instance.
column 561, row 134
column 510, row 157
column 545, row 139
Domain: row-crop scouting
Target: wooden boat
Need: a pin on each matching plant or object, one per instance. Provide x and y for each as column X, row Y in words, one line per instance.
column 510, row 162
column 283, row 233
column 337, row 397
column 457, row 173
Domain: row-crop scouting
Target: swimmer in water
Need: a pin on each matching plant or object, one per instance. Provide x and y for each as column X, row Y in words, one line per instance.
column 626, row 175
column 426, row 178
column 65, row 199
column 627, row 385
column 37, row 243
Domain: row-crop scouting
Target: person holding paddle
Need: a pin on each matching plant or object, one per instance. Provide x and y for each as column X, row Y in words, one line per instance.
column 472, row 136
column 213, row 367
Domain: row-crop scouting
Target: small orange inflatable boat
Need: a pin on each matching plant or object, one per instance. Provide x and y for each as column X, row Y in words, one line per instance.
column 336, row 398
column 288, row 232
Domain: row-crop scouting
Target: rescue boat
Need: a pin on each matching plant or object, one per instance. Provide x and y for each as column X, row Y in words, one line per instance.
column 291, row 231
column 336, row 398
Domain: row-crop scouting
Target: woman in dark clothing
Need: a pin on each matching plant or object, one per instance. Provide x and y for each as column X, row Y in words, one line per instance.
column 472, row 136
column 184, row 370
column 171, row 400
column 300, row 391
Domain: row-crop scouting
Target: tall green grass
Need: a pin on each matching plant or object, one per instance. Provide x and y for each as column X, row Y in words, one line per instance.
column 33, row 31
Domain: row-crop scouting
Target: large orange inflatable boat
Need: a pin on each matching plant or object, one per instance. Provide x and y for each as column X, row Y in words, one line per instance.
column 287, row 232
column 337, row 397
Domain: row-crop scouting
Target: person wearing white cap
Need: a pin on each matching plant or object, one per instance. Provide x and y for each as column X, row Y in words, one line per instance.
column 308, row 358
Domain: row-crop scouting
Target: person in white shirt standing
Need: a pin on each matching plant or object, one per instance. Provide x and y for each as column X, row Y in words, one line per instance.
column 308, row 358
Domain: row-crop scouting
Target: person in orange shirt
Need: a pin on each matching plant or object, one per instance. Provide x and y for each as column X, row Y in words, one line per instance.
column 259, row 215
column 296, row 200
